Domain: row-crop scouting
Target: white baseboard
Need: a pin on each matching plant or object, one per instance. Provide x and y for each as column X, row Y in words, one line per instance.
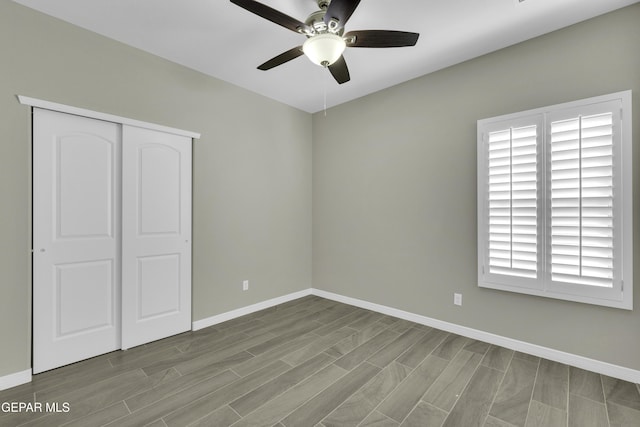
column 214, row 320
column 15, row 379
column 604, row 368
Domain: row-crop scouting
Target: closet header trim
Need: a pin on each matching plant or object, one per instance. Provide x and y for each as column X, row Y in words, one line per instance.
column 48, row 105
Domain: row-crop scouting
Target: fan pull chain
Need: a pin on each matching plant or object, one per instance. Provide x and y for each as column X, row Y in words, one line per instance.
column 325, row 102
column 326, row 77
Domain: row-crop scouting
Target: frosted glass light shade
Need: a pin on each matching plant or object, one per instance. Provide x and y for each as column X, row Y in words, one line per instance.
column 324, row 49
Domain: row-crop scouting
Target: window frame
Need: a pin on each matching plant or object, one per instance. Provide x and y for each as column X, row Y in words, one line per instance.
column 620, row 295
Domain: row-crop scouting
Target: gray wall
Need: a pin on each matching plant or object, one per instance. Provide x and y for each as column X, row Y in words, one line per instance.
column 394, row 187
column 252, row 167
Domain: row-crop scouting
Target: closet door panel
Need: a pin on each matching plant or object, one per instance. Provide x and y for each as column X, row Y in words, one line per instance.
column 159, row 285
column 159, row 189
column 84, row 297
column 156, row 243
column 76, row 261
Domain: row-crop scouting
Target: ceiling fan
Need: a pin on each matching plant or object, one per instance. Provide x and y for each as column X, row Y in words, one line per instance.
column 326, row 40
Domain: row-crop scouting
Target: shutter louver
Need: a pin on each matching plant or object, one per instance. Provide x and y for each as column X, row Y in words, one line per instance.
column 512, row 194
column 582, row 200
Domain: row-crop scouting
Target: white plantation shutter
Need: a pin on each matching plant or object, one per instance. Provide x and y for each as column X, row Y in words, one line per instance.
column 554, row 202
column 582, row 228
column 512, row 195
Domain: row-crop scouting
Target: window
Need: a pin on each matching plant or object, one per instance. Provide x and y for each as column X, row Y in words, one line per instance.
column 554, row 201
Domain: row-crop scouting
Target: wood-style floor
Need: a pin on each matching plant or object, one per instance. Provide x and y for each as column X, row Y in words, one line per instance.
column 318, row 363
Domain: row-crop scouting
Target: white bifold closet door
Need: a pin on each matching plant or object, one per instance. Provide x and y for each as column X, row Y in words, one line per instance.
column 76, row 237
column 156, row 235
column 111, row 235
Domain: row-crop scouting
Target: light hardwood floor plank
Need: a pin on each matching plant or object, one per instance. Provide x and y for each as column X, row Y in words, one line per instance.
column 205, row 405
column 342, row 322
column 497, row 358
column 552, row 384
column 188, row 361
column 222, row 417
column 348, row 344
column 169, row 404
column 92, row 398
column 318, row 345
column 357, row 407
column 424, row 415
column 376, row 419
column 495, row 422
column 472, row 408
column 585, row 384
column 421, row 349
column 395, row 348
column 285, row 348
column 584, row 412
column 220, row 356
column 622, row 416
column 368, row 319
column 403, row 399
column 511, row 404
column 446, row 390
column 451, row 345
column 276, row 409
column 541, row 415
column 362, row 352
column 621, row 393
column 101, row 417
column 182, row 383
column 255, row 398
column 313, row 411
column 478, row 347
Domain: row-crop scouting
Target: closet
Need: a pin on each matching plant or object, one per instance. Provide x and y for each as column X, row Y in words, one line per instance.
column 111, row 235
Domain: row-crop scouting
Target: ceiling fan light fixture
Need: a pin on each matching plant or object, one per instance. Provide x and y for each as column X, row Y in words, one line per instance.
column 324, row 49
column 324, row 29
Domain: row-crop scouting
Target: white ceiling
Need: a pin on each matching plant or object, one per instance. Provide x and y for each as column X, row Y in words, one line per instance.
column 225, row 41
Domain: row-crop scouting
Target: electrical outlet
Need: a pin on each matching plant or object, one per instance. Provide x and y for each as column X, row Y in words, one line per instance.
column 457, row 299
column 245, row 285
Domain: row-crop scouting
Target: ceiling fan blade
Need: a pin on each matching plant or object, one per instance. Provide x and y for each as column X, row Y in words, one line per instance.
column 282, row 58
column 339, row 70
column 272, row 15
column 341, row 11
column 380, row 38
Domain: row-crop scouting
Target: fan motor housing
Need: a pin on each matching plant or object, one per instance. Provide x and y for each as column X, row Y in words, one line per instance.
column 316, row 21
